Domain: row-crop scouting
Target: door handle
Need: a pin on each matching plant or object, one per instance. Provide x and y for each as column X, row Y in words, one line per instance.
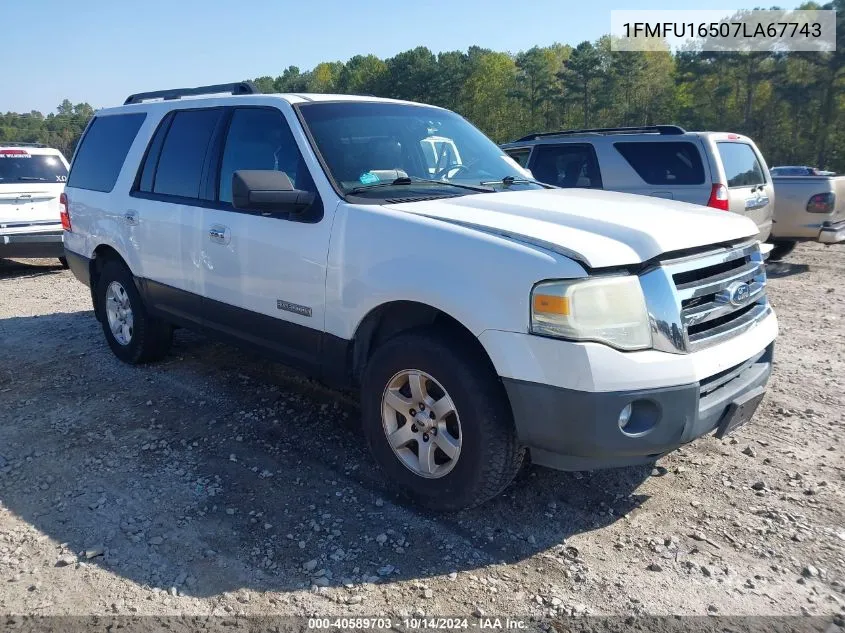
column 219, row 234
column 131, row 217
column 756, row 203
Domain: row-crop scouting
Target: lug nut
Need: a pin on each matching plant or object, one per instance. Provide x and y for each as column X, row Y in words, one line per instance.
column 412, row 412
column 425, row 437
column 414, row 428
column 431, row 415
column 422, row 406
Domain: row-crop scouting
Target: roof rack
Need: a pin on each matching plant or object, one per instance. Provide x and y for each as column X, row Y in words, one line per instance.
column 239, row 88
column 659, row 129
column 17, row 144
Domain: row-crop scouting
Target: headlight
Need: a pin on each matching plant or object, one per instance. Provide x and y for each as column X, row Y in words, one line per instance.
column 609, row 310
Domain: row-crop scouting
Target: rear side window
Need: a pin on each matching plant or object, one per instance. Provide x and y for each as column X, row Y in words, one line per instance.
column 18, row 165
column 742, row 169
column 102, row 151
column 670, row 163
column 183, row 153
column 519, row 155
column 570, row 165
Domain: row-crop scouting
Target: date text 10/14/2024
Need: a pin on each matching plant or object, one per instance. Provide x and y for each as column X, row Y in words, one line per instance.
column 418, row 623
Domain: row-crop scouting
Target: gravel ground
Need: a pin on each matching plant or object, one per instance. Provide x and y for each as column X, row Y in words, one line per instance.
column 218, row 483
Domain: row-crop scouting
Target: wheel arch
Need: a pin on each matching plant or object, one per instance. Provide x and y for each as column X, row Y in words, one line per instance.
column 102, row 254
column 388, row 320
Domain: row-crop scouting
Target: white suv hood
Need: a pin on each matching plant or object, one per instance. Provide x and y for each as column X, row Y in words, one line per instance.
column 599, row 228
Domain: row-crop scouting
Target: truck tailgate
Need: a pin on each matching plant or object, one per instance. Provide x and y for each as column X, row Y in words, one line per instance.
column 792, row 193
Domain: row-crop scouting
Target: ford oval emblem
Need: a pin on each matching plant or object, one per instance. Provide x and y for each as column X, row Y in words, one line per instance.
column 738, row 292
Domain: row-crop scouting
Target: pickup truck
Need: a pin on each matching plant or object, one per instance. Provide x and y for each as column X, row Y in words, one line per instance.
column 482, row 316
column 807, row 208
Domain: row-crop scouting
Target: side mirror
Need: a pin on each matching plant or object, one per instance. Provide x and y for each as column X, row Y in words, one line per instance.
column 267, row 190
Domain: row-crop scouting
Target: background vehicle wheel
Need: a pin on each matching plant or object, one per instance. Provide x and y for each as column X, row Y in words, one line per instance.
column 133, row 335
column 63, row 262
column 782, row 249
column 438, row 421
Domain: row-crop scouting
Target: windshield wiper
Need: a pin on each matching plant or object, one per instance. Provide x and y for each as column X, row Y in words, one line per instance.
column 507, row 181
column 30, row 178
column 407, row 180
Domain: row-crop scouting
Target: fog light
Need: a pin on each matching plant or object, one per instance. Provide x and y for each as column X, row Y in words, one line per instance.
column 625, row 416
column 639, row 417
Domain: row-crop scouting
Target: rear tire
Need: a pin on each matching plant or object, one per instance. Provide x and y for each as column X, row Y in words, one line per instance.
column 477, row 428
column 132, row 334
column 782, row 249
column 63, row 262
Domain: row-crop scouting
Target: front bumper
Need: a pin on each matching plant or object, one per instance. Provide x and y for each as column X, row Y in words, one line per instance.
column 35, row 241
column 579, row 430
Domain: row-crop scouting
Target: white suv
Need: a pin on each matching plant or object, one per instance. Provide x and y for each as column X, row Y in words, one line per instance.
column 32, row 177
column 482, row 315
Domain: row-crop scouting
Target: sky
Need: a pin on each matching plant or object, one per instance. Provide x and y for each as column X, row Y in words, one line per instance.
column 101, row 51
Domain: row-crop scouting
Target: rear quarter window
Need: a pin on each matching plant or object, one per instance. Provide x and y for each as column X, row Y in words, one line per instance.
column 742, row 169
column 519, row 155
column 664, row 163
column 103, row 149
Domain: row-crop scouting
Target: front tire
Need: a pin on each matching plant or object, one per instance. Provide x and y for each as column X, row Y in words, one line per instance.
column 438, row 421
column 132, row 334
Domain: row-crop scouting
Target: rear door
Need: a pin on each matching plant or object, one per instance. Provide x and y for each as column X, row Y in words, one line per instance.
column 168, row 210
column 30, row 184
column 750, row 190
column 671, row 169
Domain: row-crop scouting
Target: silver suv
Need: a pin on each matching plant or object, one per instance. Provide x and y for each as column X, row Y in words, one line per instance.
column 717, row 169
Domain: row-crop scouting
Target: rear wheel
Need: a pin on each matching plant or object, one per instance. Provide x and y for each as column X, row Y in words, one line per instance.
column 438, row 421
column 132, row 334
column 782, row 249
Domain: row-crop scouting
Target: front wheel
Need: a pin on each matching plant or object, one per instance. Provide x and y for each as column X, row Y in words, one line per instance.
column 132, row 334
column 438, row 421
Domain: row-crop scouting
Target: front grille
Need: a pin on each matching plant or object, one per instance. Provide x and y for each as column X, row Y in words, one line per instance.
column 719, row 295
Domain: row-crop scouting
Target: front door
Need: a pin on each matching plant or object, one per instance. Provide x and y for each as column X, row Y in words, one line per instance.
column 264, row 277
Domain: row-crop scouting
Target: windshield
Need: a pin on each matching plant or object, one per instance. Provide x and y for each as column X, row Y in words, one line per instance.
column 21, row 166
column 374, row 144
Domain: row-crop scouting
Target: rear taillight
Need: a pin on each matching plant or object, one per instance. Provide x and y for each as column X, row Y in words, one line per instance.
column 718, row 197
column 64, row 212
column 821, row 203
